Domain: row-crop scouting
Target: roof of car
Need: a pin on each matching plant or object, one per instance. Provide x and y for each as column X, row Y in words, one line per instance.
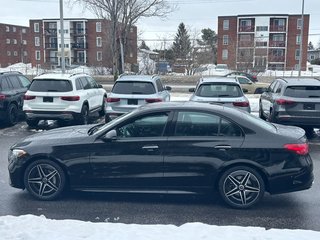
column 218, row 80
column 59, row 76
column 301, row 81
column 142, row 78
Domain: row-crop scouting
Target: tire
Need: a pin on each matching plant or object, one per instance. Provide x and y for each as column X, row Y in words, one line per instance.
column 271, row 117
column 32, row 123
column 12, row 115
column 102, row 111
column 261, row 112
column 44, row 180
column 84, row 115
column 241, row 187
column 107, row 118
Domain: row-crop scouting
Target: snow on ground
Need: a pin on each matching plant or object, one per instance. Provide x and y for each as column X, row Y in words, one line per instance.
column 29, row 227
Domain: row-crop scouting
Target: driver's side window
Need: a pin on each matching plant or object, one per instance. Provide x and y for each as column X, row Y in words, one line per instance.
column 145, row 126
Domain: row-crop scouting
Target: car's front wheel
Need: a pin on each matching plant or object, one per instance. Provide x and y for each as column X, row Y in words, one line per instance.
column 12, row 115
column 84, row 116
column 261, row 112
column 44, row 179
column 241, row 187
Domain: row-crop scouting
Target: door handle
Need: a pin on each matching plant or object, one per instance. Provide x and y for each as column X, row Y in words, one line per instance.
column 222, row 147
column 150, row 147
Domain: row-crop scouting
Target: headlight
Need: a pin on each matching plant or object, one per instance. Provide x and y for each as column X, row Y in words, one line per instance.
column 16, row 153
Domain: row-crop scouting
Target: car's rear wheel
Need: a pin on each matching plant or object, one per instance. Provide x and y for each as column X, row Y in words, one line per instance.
column 12, row 115
column 271, row 117
column 241, row 187
column 261, row 112
column 84, row 116
column 107, row 118
column 102, row 111
column 44, row 179
column 32, row 122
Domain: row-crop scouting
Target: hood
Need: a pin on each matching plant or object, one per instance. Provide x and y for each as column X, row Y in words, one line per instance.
column 58, row 135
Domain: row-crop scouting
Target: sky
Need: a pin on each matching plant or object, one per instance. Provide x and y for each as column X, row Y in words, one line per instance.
column 195, row 14
column 30, row 227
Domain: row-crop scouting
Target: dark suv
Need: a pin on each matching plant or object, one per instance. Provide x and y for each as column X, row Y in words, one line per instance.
column 292, row 101
column 13, row 86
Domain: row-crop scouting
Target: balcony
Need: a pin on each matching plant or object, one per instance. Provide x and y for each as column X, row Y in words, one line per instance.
column 51, row 45
column 277, row 28
column 246, row 43
column 276, row 58
column 50, row 31
column 79, row 60
column 277, row 44
column 79, row 46
column 78, row 31
column 52, row 60
column 246, row 28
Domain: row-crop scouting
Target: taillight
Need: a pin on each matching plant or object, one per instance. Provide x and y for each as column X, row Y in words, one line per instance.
column 301, row 148
column 284, row 101
column 153, row 100
column 2, row 97
column 111, row 100
column 241, row 104
column 28, row 97
column 70, row 98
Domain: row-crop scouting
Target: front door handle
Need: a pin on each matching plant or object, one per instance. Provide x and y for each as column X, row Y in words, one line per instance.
column 222, row 147
column 150, row 147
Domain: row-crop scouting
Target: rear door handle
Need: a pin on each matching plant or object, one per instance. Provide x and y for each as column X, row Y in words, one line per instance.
column 222, row 147
column 150, row 147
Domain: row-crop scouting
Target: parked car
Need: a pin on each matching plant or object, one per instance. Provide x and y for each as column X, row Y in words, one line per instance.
column 251, row 87
column 13, row 86
column 292, row 101
column 63, row 97
column 252, row 77
column 132, row 91
column 226, row 91
column 173, row 147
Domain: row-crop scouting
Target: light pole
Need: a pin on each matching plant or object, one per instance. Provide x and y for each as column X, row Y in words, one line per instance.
column 63, row 62
column 301, row 39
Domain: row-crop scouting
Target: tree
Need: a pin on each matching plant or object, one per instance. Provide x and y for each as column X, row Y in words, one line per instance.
column 182, row 44
column 124, row 14
column 310, row 46
column 208, row 45
column 143, row 45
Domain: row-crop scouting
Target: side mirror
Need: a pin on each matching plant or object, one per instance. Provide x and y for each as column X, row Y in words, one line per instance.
column 244, row 90
column 192, row 89
column 109, row 136
column 168, row 88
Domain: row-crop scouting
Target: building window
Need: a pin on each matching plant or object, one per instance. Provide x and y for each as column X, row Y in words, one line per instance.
column 14, row 29
column 262, row 28
column 298, row 39
column 226, row 24
column 7, row 29
column 224, row 54
column 37, row 41
column 296, row 67
column 8, row 41
column 131, row 55
column 99, row 56
column 24, row 30
column 36, row 27
column 9, row 53
column 225, row 40
column 99, row 42
column 297, row 54
column 24, row 42
column 278, row 37
column 98, row 26
column 299, row 23
column 15, row 53
column 25, row 53
column 38, row 56
column 14, row 41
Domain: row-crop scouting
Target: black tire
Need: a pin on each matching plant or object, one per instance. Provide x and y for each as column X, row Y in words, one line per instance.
column 84, row 115
column 44, row 180
column 309, row 132
column 261, row 112
column 32, row 123
column 271, row 117
column 241, row 187
column 12, row 115
column 102, row 111
column 107, row 118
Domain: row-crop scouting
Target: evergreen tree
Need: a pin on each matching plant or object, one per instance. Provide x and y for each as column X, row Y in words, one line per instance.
column 209, row 37
column 144, row 45
column 310, row 46
column 182, row 44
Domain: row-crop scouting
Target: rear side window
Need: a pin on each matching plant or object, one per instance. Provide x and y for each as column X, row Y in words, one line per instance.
column 50, row 85
column 131, row 87
column 24, row 81
column 14, row 82
column 303, row 91
column 4, row 85
column 219, row 90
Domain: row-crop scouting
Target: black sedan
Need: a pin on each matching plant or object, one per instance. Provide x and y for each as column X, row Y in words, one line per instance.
column 167, row 148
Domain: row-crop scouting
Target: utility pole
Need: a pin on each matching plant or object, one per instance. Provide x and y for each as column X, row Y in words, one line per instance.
column 63, row 61
column 301, row 39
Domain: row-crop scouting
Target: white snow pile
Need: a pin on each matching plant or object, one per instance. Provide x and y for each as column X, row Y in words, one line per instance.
column 30, row 227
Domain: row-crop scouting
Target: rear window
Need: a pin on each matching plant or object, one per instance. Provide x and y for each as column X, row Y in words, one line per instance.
column 133, row 88
column 303, row 91
column 219, row 90
column 50, row 85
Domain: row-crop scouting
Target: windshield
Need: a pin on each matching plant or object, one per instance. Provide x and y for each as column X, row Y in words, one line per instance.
column 219, row 90
column 131, row 87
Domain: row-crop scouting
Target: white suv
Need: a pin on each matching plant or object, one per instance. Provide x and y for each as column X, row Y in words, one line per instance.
column 63, row 97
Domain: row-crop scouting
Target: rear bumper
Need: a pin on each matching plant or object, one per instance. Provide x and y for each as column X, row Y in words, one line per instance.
column 307, row 121
column 49, row 115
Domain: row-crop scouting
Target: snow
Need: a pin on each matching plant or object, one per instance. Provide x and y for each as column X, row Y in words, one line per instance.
column 30, row 227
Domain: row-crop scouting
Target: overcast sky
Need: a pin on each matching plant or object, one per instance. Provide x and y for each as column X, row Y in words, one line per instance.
column 196, row 14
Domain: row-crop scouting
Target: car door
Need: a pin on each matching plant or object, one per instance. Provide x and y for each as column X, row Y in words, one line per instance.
column 95, row 93
column 134, row 159
column 88, row 92
column 164, row 94
column 267, row 98
column 200, row 143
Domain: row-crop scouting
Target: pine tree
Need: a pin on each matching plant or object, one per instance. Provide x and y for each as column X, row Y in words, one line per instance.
column 182, row 44
column 144, row 45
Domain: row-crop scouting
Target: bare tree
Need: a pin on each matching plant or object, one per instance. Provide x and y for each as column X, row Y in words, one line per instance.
column 124, row 14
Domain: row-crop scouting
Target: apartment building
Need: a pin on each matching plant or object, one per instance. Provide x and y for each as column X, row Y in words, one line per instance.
column 14, row 41
column 86, row 42
column 261, row 42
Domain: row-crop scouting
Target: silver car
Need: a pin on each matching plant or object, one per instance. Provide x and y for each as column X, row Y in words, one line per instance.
column 223, row 90
column 132, row 91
